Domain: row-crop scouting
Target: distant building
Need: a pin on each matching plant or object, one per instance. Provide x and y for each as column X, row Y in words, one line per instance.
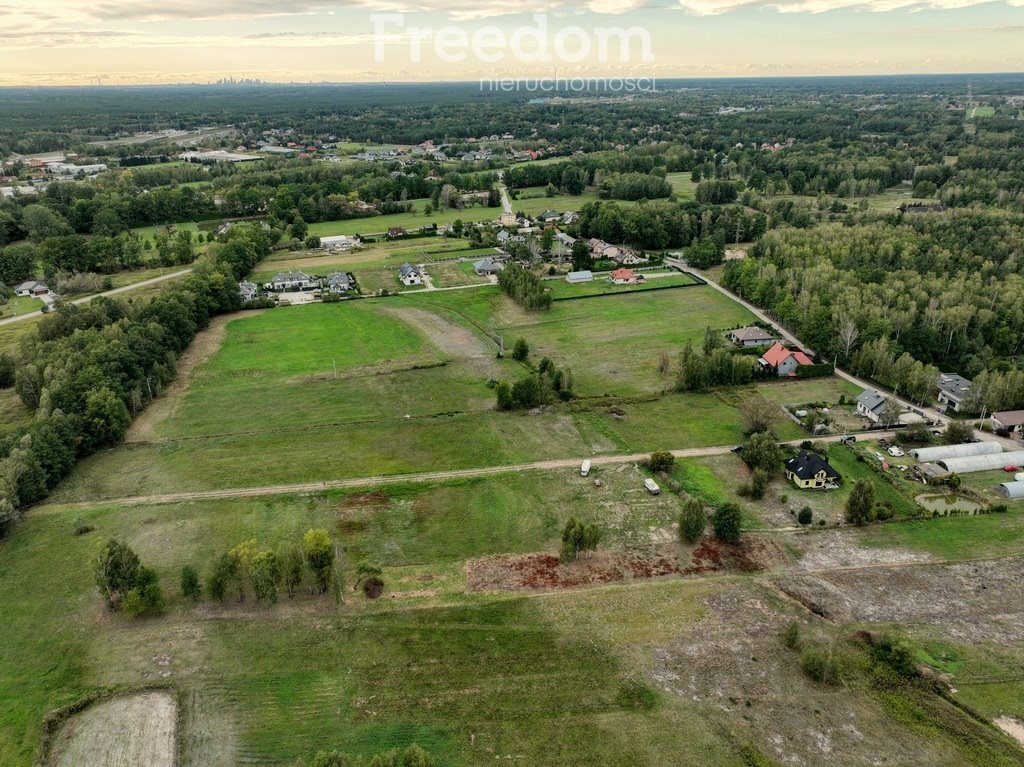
column 247, row 290
column 410, row 275
column 395, row 232
column 337, row 242
column 340, row 282
column 293, row 281
column 625, row 277
column 810, row 470
column 953, row 391
column 32, row 288
column 487, row 266
column 751, row 336
column 1011, row 420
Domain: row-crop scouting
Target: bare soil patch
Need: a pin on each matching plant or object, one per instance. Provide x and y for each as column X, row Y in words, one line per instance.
column 1011, row 726
column 970, row 602
column 450, row 338
column 732, row 664
column 203, row 346
column 131, row 731
column 839, row 548
column 544, row 571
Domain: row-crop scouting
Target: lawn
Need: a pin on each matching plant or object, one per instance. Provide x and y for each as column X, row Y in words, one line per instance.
column 19, row 305
column 415, row 219
column 683, row 186
column 454, row 274
column 560, row 289
column 985, row 535
column 613, row 344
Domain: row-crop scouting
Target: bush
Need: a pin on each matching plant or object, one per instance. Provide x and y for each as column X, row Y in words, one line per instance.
column 806, row 516
column 190, row 586
column 373, row 587
column 726, row 523
column 692, row 521
column 146, row 598
column 661, row 461
column 759, row 484
column 762, row 452
column 791, row 635
column 820, row 665
column 883, row 510
column 521, row 350
column 82, row 527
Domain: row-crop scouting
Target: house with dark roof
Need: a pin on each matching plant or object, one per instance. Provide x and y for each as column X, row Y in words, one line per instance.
column 293, row 281
column 487, row 267
column 871, row 405
column 395, row 232
column 953, row 391
column 784, row 361
column 410, row 275
column 32, row 288
column 1011, row 420
column 810, row 470
column 340, row 282
column 751, row 336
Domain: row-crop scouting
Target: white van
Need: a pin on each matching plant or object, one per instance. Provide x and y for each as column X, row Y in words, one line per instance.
column 584, row 468
column 652, row 486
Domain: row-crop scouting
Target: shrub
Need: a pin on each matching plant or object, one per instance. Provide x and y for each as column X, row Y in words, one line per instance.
column 692, row 521
column 521, row 350
column 762, row 452
column 373, row 587
column 146, row 598
column 820, row 665
column 190, row 587
column 883, row 510
column 726, row 523
column 82, row 527
column 661, row 461
column 759, row 484
column 791, row 635
column 805, row 516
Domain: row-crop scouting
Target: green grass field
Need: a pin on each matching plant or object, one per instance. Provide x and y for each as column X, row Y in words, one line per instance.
column 415, row 219
column 18, row 305
column 560, row 289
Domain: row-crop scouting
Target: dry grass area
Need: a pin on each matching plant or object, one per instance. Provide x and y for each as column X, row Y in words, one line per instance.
column 130, row 731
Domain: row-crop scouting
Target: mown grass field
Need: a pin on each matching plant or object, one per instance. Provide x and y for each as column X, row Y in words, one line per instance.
column 600, row 286
column 415, row 219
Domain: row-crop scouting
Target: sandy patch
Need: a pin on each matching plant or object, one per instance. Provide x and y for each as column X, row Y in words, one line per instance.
column 1011, row 726
column 824, row 551
column 204, row 345
column 451, row 339
column 130, row 731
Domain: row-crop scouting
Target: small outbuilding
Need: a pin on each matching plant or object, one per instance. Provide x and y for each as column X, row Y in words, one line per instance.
column 575, row 278
column 926, row 454
column 810, row 470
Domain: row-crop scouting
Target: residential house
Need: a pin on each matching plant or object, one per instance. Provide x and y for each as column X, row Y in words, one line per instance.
column 293, row 281
column 871, row 405
column 627, row 257
column 32, row 288
column 1011, row 420
column 248, row 290
column 625, row 277
column 340, row 282
column 570, row 217
column 549, row 215
column 504, row 236
column 337, row 242
column 395, row 232
column 784, row 361
column 809, row 470
column 751, row 336
column 575, row 278
column 410, row 275
column 487, row 266
column 953, row 391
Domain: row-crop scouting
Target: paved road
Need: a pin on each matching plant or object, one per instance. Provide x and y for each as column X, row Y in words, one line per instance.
column 429, row 476
column 114, row 292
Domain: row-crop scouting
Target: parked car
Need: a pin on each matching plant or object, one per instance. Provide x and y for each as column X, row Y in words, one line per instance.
column 879, row 456
column 896, row 452
column 1010, row 469
column 652, row 486
column 848, row 440
column 585, row 468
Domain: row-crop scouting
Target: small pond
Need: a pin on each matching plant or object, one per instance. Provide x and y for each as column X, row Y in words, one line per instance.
column 944, row 505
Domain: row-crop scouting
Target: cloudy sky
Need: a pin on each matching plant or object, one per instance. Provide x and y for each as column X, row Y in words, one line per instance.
column 132, row 41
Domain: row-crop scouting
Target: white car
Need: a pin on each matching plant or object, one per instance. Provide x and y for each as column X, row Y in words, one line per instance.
column 896, row 452
column 878, row 455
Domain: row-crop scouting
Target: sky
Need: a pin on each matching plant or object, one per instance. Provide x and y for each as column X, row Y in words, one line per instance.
column 75, row 42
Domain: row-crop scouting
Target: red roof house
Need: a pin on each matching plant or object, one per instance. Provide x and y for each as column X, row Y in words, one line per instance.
column 783, row 361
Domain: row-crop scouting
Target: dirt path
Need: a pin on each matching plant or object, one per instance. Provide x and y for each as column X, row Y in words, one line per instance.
column 391, row 479
column 203, row 345
column 1011, row 726
column 113, row 292
column 132, row 731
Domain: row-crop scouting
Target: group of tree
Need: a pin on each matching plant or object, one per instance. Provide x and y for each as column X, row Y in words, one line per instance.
column 579, row 539
column 125, row 584
column 545, row 385
column 700, row 370
column 524, row 287
column 86, row 370
column 411, row 756
column 249, row 568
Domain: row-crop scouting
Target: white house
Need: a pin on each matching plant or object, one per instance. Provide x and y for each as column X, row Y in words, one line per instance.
column 953, row 391
column 293, row 281
column 410, row 275
column 871, row 405
column 32, row 288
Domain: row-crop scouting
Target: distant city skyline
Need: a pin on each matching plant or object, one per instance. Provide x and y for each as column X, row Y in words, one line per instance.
column 61, row 42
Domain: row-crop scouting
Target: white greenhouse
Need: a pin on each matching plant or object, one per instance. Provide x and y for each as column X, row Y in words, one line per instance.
column 982, row 462
column 1012, row 490
column 928, row 454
